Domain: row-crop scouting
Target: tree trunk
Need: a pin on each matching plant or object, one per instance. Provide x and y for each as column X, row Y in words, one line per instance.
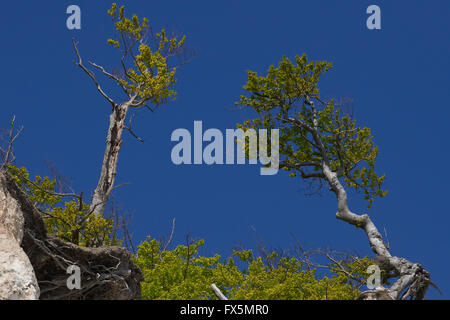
column 413, row 280
column 109, row 166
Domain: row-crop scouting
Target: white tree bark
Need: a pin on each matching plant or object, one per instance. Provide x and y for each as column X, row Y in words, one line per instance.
column 218, row 293
column 413, row 279
column 412, row 276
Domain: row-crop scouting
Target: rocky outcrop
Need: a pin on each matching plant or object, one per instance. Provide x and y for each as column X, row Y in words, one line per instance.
column 17, row 278
column 34, row 265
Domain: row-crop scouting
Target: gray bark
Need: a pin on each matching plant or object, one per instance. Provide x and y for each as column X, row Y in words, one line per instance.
column 413, row 279
column 117, row 118
column 108, row 171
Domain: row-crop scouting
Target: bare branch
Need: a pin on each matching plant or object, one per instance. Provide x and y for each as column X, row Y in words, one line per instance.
column 131, row 131
column 311, row 175
column 92, row 75
column 57, row 194
column 188, row 258
column 121, row 185
column 171, row 235
column 111, row 76
column 12, row 138
column 341, row 268
column 305, row 259
column 218, row 293
column 300, row 164
column 63, row 184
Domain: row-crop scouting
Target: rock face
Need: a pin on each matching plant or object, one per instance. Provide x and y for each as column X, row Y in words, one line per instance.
column 34, row 265
column 17, row 278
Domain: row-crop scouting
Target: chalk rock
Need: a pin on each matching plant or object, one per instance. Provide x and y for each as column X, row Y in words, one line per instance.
column 17, row 277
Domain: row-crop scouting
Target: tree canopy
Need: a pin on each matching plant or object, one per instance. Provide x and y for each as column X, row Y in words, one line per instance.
column 147, row 75
column 311, row 135
column 182, row 273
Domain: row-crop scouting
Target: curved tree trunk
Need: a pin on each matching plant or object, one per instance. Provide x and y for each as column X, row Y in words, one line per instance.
column 413, row 279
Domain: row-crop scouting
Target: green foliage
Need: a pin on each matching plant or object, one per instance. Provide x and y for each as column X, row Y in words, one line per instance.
column 182, row 273
column 288, row 98
column 149, row 75
column 69, row 220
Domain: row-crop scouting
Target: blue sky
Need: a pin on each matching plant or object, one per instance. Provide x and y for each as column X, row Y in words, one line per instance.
column 398, row 78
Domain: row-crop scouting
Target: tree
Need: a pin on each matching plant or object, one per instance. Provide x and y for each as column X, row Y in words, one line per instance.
column 66, row 215
column 182, row 273
column 320, row 142
column 146, row 80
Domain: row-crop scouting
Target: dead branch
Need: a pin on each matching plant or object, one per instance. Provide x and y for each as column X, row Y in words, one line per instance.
column 92, row 76
column 218, row 293
column 171, row 235
column 130, row 130
column 12, row 138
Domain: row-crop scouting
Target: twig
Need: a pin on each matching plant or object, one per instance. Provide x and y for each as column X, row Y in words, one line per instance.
column 121, row 185
column 12, row 138
column 92, row 75
column 171, row 235
column 188, row 258
column 111, row 76
column 131, row 130
column 305, row 257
